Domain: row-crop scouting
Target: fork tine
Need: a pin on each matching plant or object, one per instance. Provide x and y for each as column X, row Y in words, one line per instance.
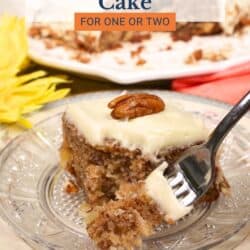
column 182, row 190
column 188, row 199
column 177, row 180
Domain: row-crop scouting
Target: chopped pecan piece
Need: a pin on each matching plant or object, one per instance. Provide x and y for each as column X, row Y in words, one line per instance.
column 34, row 31
column 168, row 47
column 137, row 52
column 82, row 57
column 131, row 106
column 196, row 56
column 141, row 62
column 71, row 188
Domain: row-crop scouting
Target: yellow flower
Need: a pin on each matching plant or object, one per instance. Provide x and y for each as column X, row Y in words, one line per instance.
column 22, row 94
column 13, row 45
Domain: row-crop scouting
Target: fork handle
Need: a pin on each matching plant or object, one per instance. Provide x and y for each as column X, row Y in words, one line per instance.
column 228, row 123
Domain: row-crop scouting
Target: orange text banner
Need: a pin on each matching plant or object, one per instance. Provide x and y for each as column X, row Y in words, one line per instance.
column 125, row 21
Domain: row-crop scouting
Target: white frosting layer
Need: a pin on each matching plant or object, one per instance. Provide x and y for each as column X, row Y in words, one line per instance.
column 236, row 10
column 153, row 133
column 158, row 189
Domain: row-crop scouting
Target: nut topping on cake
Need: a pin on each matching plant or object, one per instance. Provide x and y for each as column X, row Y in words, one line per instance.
column 131, row 106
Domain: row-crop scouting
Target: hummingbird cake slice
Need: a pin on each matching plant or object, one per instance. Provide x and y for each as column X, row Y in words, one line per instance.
column 117, row 151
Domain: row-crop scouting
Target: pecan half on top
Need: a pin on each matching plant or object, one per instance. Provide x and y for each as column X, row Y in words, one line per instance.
column 131, row 106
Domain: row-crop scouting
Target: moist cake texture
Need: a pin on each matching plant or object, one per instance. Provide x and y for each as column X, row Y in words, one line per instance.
column 123, row 223
column 103, row 152
column 116, row 162
column 138, row 210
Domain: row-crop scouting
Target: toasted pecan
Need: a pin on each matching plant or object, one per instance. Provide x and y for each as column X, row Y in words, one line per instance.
column 71, row 188
column 141, row 62
column 131, row 106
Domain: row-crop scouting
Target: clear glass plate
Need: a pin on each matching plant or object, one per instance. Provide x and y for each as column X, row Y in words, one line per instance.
column 33, row 201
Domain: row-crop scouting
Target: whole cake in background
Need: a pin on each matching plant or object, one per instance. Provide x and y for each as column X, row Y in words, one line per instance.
column 117, row 151
column 237, row 14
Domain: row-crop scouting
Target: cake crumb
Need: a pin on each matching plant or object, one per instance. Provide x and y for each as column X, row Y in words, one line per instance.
column 82, row 57
column 170, row 221
column 168, row 47
column 137, row 52
column 194, row 57
column 215, row 57
column 141, row 62
column 34, row 31
column 51, row 44
column 71, row 188
column 209, row 55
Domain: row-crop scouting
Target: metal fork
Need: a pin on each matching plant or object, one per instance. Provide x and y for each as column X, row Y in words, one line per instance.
column 193, row 173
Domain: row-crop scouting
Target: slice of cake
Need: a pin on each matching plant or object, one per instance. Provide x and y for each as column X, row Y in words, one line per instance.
column 102, row 151
column 117, row 151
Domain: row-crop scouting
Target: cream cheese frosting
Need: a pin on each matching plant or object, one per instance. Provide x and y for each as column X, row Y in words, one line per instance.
column 171, row 128
column 158, row 188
